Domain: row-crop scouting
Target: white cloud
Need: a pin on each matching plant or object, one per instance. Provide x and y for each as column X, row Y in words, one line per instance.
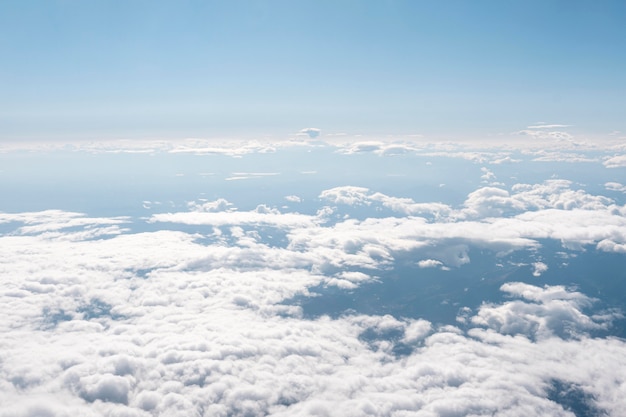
column 551, row 311
column 557, row 194
column 617, row 161
column 293, row 199
column 615, row 186
column 218, row 205
column 355, row 196
column 607, row 245
column 347, row 195
column 580, row 219
column 539, row 268
column 429, row 263
column 487, row 174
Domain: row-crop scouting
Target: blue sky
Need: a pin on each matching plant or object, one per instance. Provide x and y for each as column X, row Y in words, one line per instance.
column 133, row 69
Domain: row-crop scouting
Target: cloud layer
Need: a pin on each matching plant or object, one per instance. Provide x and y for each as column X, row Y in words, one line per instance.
column 98, row 319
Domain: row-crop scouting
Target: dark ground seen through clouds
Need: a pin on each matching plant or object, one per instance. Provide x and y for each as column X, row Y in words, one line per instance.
column 438, row 295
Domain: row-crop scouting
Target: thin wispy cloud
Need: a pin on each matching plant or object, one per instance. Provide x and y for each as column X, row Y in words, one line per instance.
column 547, row 126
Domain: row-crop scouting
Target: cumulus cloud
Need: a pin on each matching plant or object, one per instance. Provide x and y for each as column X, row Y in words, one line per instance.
column 617, row 161
column 539, row 268
column 356, row 196
column 429, row 263
column 555, row 194
column 615, row 186
column 608, row 245
column 546, row 312
column 487, row 174
column 346, row 195
column 218, row 205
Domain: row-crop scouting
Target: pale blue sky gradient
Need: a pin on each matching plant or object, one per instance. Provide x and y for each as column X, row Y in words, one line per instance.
column 132, row 69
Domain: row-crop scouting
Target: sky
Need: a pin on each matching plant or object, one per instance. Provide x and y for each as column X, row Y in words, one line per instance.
column 312, row 208
column 163, row 69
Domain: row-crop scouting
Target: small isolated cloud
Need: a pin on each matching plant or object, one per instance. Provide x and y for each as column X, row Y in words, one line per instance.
column 487, row 174
column 539, row 268
column 293, row 199
column 348, row 195
column 311, row 132
column 355, row 196
column 429, row 263
column 615, row 186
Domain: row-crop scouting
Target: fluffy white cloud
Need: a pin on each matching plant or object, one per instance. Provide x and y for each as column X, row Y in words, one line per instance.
column 615, row 186
column 355, row 196
column 347, row 195
column 539, row 268
column 551, row 194
column 490, row 217
column 617, row 161
column 92, row 333
column 487, row 174
column 429, row 263
column 607, row 245
column 546, row 312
